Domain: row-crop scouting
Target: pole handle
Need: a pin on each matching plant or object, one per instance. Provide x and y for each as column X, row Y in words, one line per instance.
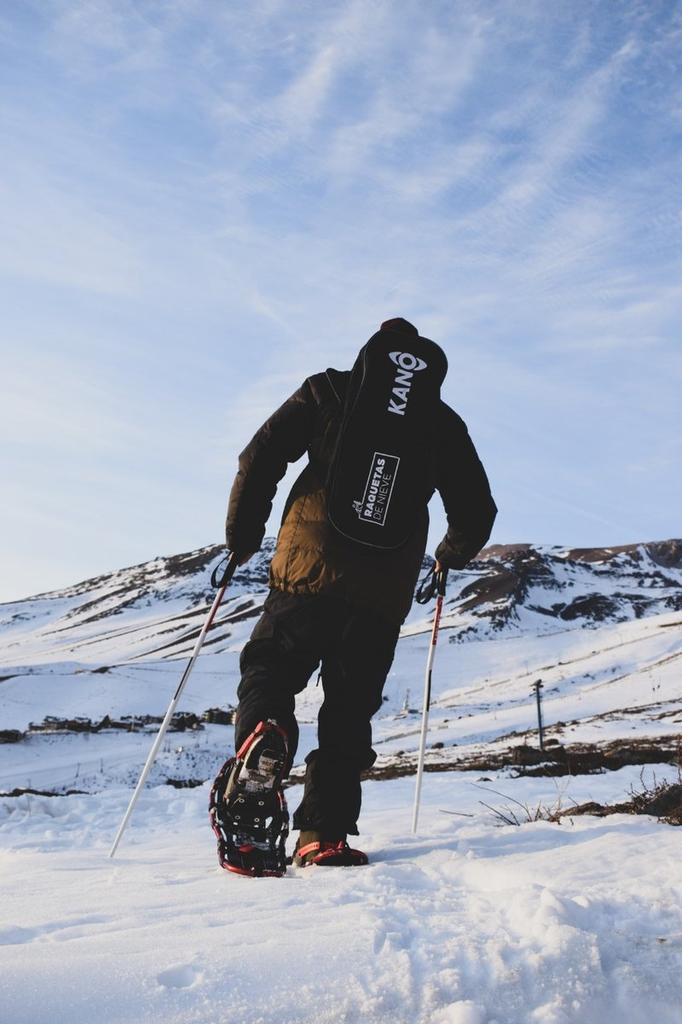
column 230, row 561
column 432, row 585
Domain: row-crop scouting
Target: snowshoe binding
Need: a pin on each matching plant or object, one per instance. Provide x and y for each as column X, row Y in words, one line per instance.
column 247, row 808
column 311, row 849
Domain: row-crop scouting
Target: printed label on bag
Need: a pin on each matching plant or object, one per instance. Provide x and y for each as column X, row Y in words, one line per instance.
column 375, row 501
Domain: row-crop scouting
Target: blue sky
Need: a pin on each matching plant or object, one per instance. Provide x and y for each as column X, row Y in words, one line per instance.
column 201, row 203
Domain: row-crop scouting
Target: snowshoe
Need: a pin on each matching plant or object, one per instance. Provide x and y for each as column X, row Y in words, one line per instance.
column 247, row 808
column 311, row 848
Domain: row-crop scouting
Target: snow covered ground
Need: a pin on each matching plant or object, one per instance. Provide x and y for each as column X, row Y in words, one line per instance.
column 469, row 922
column 465, row 923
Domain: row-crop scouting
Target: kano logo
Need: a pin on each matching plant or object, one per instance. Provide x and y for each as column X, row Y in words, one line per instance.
column 407, row 365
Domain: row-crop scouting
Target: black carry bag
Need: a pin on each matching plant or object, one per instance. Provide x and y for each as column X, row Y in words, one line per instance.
column 379, row 475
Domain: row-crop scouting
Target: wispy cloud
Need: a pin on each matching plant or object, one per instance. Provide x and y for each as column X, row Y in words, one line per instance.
column 203, row 203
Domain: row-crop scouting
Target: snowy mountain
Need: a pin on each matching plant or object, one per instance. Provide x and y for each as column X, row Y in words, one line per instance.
column 154, row 610
column 601, row 628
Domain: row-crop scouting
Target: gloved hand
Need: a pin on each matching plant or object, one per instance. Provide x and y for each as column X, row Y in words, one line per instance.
column 447, row 558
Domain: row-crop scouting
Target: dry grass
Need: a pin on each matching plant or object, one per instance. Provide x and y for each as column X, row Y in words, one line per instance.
column 662, row 800
column 518, row 812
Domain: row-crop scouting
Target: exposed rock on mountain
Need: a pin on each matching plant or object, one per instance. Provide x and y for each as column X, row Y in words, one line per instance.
column 588, row 585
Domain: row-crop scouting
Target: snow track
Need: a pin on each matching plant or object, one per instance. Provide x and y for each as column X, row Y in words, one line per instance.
column 466, row 923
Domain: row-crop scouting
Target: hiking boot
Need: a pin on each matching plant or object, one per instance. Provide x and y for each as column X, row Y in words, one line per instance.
column 247, row 808
column 313, row 848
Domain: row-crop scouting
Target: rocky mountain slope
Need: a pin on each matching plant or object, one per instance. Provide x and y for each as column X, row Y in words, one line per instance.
column 154, row 610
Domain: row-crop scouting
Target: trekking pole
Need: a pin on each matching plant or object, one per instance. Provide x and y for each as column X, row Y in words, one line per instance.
column 222, row 583
column 438, row 587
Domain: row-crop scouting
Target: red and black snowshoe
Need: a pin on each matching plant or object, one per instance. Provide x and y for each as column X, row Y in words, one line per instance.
column 247, row 808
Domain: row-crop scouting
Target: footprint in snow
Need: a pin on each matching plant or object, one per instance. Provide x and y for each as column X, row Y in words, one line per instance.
column 180, row 976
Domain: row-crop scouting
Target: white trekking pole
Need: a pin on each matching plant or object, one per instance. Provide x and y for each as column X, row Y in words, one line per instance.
column 437, row 585
column 222, row 584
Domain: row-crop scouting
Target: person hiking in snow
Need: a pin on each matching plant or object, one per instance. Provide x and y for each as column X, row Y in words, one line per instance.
column 336, row 601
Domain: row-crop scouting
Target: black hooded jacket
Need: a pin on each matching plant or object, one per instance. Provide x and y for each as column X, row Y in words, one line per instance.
column 311, row 557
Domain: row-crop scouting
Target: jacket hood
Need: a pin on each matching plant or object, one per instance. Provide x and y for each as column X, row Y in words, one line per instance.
column 401, row 325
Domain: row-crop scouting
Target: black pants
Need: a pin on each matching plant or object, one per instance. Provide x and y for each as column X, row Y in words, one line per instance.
column 294, row 635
